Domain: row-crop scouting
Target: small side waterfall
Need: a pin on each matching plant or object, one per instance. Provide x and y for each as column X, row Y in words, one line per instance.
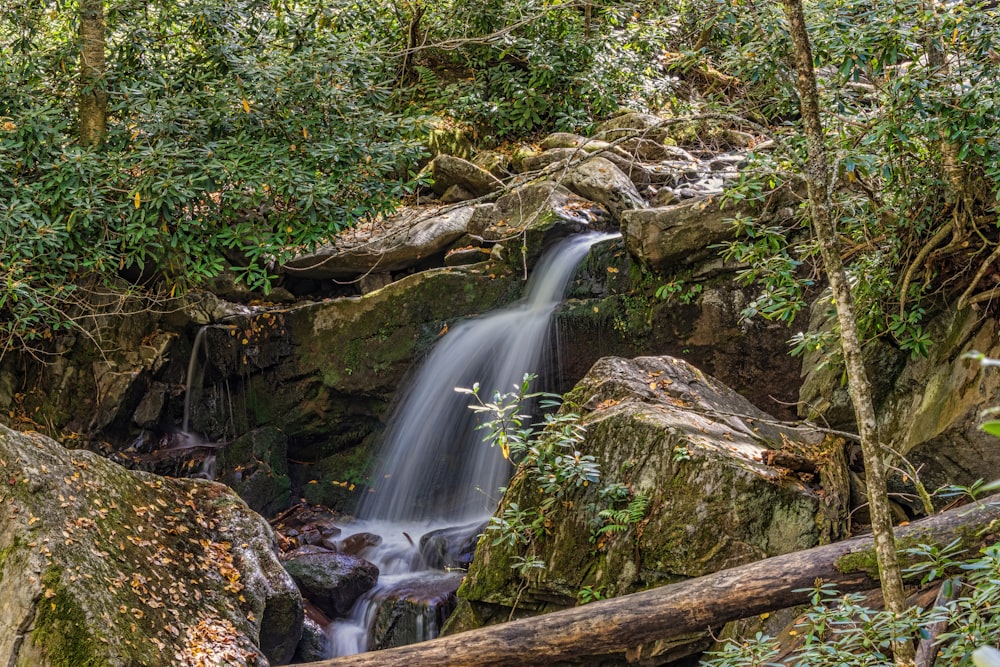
column 437, row 481
column 195, row 373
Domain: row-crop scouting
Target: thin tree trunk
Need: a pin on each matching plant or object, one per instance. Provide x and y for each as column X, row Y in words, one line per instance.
column 93, row 102
column 614, row 626
column 818, row 183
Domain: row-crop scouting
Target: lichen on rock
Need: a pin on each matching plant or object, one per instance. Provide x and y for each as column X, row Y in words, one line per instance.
column 105, row 566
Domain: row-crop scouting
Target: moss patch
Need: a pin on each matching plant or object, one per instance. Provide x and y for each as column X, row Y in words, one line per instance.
column 59, row 633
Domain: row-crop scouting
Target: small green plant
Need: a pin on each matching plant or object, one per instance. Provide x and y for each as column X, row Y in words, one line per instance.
column 547, row 448
column 616, row 521
column 676, row 290
column 680, row 454
column 590, row 594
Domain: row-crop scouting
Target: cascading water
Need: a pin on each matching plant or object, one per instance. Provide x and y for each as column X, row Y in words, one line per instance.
column 436, row 476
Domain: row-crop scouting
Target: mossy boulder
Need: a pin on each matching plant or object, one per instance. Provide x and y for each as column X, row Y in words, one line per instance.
column 100, row 565
column 700, row 457
column 531, row 218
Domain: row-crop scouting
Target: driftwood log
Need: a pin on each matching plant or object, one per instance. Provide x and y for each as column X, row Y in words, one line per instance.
column 618, row 624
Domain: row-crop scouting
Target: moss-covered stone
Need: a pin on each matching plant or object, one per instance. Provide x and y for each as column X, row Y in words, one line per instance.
column 693, row 450
column 107, row 566
column 58, row 633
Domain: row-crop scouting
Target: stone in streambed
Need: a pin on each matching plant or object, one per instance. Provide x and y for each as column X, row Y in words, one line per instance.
column 332, row 581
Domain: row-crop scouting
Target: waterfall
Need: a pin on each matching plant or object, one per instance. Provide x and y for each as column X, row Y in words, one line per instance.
column 193, row 376
column 437, row 480
column 434, row 465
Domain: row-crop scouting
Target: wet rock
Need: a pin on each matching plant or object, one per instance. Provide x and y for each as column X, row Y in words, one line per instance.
column 358, row 542
column 450, row 548
column 332, row 581
column 314, row 644
column 102, row 565
column 414, row 611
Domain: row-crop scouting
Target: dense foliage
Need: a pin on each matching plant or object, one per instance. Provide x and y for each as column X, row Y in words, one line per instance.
column 839, row 630
column 912, row 101
column 237, row 132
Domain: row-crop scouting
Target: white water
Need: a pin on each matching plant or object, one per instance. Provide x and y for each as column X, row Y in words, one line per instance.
column 434, row 464
column 435, row 470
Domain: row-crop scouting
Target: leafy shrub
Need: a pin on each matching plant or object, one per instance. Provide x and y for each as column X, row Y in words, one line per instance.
column 238, row 134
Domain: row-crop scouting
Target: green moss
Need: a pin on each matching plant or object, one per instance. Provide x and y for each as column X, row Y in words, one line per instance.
column 58, row 631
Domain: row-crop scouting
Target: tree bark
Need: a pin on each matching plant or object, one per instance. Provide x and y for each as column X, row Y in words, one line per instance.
column 818, row 184
column 93, row 97
column 616, row 625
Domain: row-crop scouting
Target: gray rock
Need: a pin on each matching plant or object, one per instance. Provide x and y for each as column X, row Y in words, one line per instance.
column 456, row 193
column 539, row 213
column 494, row 162
column 697, row 451
column 103, row 565
column 664, row 197
column 632, row 124
column 332, row 581
column 930, row 408
column 569, row 140
column 600, row 180
column 682, row 233
column 448, row 170
column 385, row 245
column 314, row 644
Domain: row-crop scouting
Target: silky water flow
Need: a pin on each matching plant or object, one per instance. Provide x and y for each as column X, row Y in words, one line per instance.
column 437, row 481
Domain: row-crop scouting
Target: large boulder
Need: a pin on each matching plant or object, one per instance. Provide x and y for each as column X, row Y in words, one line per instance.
column 448, row 171
column 683, row 234
column 383, row 246
column 598, row 179
column 723, row 484
column 102, row 565
column 532, row 217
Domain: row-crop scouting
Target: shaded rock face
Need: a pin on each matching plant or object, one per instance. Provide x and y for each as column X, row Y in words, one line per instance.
column 698, row 453
column 101, row 565
column 929, row 408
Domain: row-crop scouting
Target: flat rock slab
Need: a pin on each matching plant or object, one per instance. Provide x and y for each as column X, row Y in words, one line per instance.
column 392, row 244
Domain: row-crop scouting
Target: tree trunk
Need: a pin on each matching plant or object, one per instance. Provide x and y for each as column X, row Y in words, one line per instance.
column 93, row 102
column 818, row 183
column 619, row 624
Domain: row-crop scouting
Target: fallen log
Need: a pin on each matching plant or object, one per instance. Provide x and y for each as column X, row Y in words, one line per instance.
column 618, row 624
